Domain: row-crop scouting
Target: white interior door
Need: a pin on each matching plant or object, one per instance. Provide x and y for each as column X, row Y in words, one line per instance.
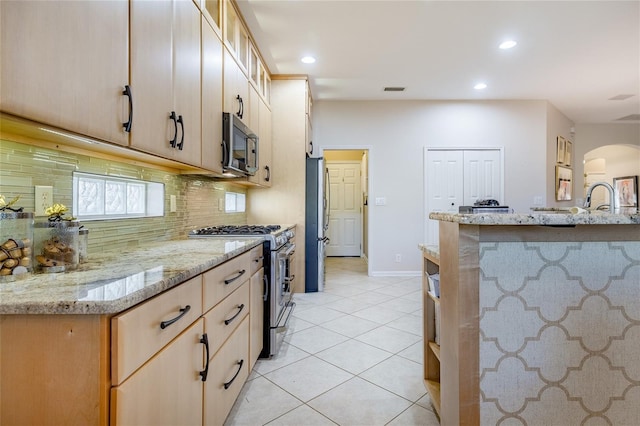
column 444, row 186
column 460, row 177
column 345, row 210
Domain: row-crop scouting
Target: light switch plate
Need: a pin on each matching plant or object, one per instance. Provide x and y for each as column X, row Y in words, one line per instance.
column 381, row 201
column 43, row 199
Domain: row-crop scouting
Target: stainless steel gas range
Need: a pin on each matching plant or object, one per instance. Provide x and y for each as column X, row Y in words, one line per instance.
column 279, row 247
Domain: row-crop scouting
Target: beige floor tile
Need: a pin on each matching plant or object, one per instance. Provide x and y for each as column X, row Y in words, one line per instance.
column 253, row 407
column 286, row 355
column 303, row 415
column 378, row 314
column 354, row 356
column 410, row 323
column 389, row 339
column 350, row 326
column 308, row 378
column 359, row 403
column 314, row 339
column 318, row 315
column 415, row 415
column 398, row 375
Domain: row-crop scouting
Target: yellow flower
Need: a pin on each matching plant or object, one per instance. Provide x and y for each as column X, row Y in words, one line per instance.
column 3, row 203
column 56, row 209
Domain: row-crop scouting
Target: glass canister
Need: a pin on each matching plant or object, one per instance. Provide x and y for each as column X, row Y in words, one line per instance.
column 83, row 243
column 16, row 245
column 56, row 245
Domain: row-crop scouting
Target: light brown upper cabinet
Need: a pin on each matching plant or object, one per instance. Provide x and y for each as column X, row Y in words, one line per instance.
column 236, row 89
column 211, row 99
column 212, row 11
column 66, row 64
column 165, row 78
column 236, row 35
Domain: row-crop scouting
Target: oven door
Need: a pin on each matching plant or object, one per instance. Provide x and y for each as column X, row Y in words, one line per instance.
column 281, row 290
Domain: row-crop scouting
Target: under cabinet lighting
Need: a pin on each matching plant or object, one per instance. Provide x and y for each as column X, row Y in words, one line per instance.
column 308, row 60
column 480, row 86
column 507, row 44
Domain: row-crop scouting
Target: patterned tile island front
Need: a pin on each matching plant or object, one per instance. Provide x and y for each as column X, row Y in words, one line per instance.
column 112, row 282
column 540, row 323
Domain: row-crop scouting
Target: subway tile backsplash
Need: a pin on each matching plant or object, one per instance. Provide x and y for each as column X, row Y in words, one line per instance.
column 24, row 166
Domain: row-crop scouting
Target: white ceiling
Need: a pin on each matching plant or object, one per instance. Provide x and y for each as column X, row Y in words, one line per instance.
column 576, row 54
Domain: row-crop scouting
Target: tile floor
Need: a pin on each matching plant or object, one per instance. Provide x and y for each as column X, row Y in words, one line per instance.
column 352, row 356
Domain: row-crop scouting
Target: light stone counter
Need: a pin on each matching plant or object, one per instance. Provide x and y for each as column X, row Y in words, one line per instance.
column 113, row 282
column 542, row 217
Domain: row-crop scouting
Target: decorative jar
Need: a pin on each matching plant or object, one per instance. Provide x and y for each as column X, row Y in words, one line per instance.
column 16, row 245
column 56, row 245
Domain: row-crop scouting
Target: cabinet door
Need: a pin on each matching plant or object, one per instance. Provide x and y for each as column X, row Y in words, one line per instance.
column 152, row 76
column 211, row 99
column 236, row 87
column 257, row 290
column 168, row 389
column 228, row 371
column 186, row 80
column 66, row 64
column 263, row 176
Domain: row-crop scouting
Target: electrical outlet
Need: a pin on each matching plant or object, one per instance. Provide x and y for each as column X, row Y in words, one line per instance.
column 398, row 258
column 537, row 200
column 43, row 199
column 172, row 204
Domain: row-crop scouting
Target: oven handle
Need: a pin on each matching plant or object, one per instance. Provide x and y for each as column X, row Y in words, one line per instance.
column 230, row 280
column 280, row 328
column 266, row 288
column 291, row 249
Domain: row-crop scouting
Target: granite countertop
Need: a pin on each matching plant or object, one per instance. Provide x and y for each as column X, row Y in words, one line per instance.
column 431, row 250
column 112, row 282
column 546, row 216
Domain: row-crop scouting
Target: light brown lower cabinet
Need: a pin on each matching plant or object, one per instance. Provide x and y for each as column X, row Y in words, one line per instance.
column 144, row 366
column 167, row 390
column 228, row 370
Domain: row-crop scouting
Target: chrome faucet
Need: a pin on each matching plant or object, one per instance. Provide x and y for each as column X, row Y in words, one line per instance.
column 612, row 200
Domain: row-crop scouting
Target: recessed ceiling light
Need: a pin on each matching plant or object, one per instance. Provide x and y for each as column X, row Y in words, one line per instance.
column 308, row 59
column 507, row 44
column 480, row 86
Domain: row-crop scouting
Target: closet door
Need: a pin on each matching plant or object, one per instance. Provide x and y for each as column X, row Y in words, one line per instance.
column 459, row 177
column 482, row 176
column 444, row 186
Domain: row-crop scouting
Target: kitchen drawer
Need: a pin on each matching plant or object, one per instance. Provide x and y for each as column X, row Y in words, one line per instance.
column 222, row 280
column 167, row 390
column 220, row 321
column 137, row 334
column 257, row 259
column 225, row 369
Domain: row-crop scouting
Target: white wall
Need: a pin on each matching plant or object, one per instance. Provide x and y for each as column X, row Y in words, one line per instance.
column 559, row 125
column 398, row 131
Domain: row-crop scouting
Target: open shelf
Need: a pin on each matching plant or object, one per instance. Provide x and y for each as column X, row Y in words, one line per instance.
column 435, row 348
column 433, row 388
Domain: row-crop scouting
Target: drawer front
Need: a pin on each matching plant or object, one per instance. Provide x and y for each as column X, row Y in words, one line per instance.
column 137, row 334
column 225, row 369
column 222, row 280
column 167, row 390
column 222, row 320
column 257, row 258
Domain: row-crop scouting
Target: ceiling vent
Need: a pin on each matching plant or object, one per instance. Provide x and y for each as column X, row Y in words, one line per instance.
column 394, row 89
column 620, row 97
column 632, row 117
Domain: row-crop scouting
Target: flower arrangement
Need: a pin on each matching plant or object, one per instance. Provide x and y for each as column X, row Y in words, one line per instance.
column 56, row 213
column 7, row 206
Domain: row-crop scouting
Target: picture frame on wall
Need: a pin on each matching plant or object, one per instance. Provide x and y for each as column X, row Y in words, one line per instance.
column 560, row 150
column 564, row 183
column 626, row 190
column 567, row 152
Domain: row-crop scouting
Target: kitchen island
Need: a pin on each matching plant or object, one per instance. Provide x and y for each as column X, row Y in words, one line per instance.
column 539, row 318
column 72, row 343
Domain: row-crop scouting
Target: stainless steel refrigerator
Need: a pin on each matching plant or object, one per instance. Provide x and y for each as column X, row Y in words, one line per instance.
column 316, row 222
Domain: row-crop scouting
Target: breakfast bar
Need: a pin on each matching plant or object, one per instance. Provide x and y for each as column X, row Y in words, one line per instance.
column 539, row 318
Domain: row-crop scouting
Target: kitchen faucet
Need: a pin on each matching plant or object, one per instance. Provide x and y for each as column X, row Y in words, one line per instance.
column 587, row 201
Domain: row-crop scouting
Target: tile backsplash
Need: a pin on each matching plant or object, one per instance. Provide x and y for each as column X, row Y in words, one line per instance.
column 24, row 166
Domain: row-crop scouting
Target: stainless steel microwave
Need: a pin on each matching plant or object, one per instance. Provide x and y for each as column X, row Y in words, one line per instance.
column 239, row 147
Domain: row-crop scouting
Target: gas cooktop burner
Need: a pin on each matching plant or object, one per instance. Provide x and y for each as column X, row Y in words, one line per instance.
column 237, row 230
